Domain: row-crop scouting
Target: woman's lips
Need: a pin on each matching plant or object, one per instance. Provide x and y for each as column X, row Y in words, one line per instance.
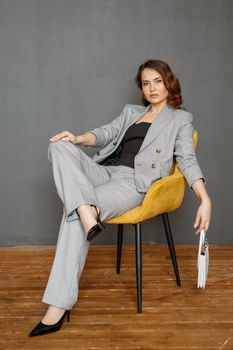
column 154, row 95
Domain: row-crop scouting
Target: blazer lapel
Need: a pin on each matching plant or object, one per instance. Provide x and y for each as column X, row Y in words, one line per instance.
column 138, row 115
column 157, row 126
column 133, row 118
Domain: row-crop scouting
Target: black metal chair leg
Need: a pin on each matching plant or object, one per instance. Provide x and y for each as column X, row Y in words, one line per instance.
column 171, row 247
column 119, row 246
column 138, row 244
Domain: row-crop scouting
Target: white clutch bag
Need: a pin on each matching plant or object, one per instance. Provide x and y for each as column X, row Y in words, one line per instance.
column 202, row 260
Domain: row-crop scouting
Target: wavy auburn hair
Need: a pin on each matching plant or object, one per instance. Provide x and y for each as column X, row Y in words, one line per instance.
column 170, row 81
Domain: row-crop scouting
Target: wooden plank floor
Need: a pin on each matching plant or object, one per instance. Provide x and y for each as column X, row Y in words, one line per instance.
column 105, row 316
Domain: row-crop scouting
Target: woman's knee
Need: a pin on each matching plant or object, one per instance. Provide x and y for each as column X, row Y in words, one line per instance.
column 57, row 145
column 54, row 147
column 62, row 147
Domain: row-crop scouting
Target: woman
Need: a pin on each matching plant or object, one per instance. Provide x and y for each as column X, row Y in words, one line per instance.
column 137, row 148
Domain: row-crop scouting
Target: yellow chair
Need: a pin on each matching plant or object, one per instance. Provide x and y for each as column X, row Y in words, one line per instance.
column 163, row 196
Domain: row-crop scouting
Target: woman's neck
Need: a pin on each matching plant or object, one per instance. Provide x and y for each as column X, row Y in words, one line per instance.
column 157, row 108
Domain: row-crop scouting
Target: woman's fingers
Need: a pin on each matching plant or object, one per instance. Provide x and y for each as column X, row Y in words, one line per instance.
column 64, row 135
column 197, row 219
column 203, row 216
column 206, row 226
column 201, row 227
column 58, row 136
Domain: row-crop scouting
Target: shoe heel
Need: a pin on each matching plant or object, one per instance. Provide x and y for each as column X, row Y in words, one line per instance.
column 101, row 224
column 96, row 229
column 68, row 316
column 98, row 220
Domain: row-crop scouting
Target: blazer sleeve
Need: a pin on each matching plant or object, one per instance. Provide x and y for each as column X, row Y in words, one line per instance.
column 185, row 153
column 108, row 132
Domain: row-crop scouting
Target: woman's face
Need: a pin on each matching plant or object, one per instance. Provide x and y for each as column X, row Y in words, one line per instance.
column 153, row 87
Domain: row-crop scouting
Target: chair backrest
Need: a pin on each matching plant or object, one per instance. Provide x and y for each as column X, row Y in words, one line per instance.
column 175, row 168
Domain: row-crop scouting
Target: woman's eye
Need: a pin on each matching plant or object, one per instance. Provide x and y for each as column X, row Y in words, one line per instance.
column 159, row 81
column 144, row 84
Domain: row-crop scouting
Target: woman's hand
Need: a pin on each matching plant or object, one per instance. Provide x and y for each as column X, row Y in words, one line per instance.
column 65, row 136
column 203, row 216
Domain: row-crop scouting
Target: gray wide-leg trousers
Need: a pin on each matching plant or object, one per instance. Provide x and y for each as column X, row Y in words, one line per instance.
column 80, row 180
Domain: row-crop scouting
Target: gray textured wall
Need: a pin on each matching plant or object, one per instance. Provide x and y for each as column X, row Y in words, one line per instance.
column 70, row 64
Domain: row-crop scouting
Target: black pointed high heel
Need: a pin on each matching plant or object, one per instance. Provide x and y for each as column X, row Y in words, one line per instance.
column 96, row 229
column 42, row 328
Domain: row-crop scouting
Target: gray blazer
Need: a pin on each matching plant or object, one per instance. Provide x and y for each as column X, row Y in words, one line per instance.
column 170, row 135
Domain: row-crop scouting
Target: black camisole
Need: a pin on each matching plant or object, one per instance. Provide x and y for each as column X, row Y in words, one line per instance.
column 131, row 143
